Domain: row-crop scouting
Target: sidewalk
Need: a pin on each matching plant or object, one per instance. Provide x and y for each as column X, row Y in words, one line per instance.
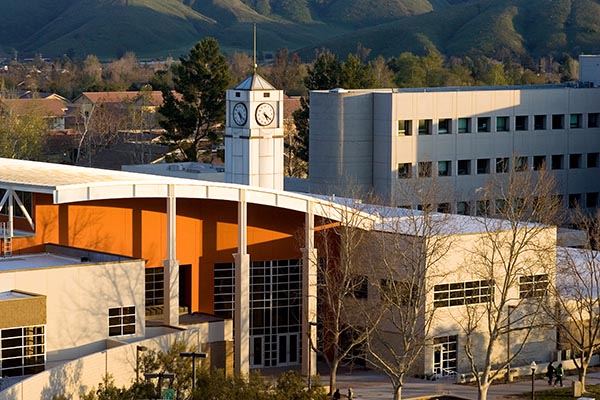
column 372, row 385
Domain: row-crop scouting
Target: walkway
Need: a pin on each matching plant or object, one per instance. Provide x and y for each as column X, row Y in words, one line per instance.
column 371, row 385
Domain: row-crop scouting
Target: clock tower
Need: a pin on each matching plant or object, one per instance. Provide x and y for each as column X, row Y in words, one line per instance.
column 254, row 134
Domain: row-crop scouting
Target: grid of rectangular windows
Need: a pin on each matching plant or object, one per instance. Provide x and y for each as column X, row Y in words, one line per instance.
column 223, row 296
column 533, row 286
column 155, row 283
column 275, row 307
column 121, row 321
column 462, row 293
column 23, row 350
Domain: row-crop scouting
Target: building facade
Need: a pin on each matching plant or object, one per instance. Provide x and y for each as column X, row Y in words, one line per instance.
column 381, row 140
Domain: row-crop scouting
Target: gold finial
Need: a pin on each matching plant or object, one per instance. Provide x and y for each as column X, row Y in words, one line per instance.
column 255, row 65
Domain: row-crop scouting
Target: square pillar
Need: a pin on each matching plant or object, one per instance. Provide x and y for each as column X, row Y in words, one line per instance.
column 241, row 321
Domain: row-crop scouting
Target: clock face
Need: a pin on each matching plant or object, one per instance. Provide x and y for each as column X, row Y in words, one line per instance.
column 265, row 114
column 240, row 114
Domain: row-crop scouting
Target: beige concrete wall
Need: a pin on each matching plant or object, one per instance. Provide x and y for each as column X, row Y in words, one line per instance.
column 77, row 301
column 79, row 376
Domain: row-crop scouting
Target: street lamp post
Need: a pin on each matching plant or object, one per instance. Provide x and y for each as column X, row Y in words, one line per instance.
column 138, row 349
column 533, row 368
column 160, row 376
column 193, row 355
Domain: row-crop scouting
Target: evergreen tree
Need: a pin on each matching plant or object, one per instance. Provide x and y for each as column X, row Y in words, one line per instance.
column 195, row 113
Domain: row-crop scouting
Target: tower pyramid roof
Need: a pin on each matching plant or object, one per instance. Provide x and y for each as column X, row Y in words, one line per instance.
column 255, row 82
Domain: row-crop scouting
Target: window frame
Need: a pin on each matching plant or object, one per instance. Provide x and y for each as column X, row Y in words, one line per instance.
column 504, row 126
column 404, row 171
column 533, row 286
column 483, row 124
column 119, row 321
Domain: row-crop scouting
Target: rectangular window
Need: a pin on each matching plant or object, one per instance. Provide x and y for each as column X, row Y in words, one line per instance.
column 444, row 208
column 483, row 124
column 521, row 164
column 593, row 160
column 502, row 124
column 360, row 287
column 502, row 165
column 444, row 126
column 591, row 200
column 593, row 120
column 558, row 161
column 425, row 126
column 574, row 200
column 23, row 350
column 462, row 293
column 223, row 296
column 482, row 208
column 575, row 121
column 463, row 208
column 558, row 121
column 539, row 122
column 445, row 349
column 464, row 167
column 539, row 162
column 424, row 169
column 404, row 127
column 404, row 170
column 444, row 168
column 533, row 286
column 483, row 166
column 521, row 123
column 464, row 125
column 574, row 161
column 155, row 284
column 398, row 293
column 121, row 321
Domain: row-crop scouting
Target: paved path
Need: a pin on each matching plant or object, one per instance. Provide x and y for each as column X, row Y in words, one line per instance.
column 371, row 385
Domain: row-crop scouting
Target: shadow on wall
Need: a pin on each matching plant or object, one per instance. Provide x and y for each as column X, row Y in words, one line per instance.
column 63, row 379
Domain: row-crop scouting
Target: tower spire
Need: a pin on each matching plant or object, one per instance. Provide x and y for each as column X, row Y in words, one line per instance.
column 254, row 65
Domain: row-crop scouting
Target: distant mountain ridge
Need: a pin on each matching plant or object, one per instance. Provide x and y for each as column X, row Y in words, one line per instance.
column 156, row 28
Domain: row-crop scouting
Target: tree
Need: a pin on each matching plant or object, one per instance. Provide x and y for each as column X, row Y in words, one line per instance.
column 577, row 293
column 403, row 258
column 22, row 136
column 341, row 284
column 354, row 74
column 515, row 258
column 195, row 114
column 286, row 74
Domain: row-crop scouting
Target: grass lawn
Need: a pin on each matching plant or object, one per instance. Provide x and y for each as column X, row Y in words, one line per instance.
column 561, row 393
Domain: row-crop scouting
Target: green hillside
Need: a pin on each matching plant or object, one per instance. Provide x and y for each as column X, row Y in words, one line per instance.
column 491, row 27
column 156, row 28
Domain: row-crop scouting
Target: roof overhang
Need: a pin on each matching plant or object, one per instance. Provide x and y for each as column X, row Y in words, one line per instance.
column 70, row 184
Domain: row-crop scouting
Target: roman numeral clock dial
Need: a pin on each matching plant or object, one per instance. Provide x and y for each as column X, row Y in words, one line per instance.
column 265, row 114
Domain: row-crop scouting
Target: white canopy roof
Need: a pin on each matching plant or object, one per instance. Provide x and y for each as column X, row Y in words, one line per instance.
column 70, row 184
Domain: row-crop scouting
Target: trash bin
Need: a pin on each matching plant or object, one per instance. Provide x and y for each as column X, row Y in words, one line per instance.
column 577, row 389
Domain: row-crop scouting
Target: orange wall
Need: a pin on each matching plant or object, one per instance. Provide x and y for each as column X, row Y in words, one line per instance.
column 206, row 233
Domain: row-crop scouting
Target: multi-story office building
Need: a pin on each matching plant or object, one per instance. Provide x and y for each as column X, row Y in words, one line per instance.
column 380, row 140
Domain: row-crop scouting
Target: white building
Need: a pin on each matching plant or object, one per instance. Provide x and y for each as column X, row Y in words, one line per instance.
column 379, row 140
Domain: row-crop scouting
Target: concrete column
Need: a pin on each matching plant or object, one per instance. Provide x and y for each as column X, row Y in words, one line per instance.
column 309, row 296
column 242, row 292
column 171, row 264
column 11, row 213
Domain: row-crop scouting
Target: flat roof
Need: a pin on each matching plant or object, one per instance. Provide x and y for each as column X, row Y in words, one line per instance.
column 12, row 295
column 35, row 261
column 567, row 85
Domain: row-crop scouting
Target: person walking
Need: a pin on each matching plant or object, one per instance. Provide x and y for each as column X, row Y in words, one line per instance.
column 350, row 394
column 559, row 375
column 550, row 373
column 336, row 394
